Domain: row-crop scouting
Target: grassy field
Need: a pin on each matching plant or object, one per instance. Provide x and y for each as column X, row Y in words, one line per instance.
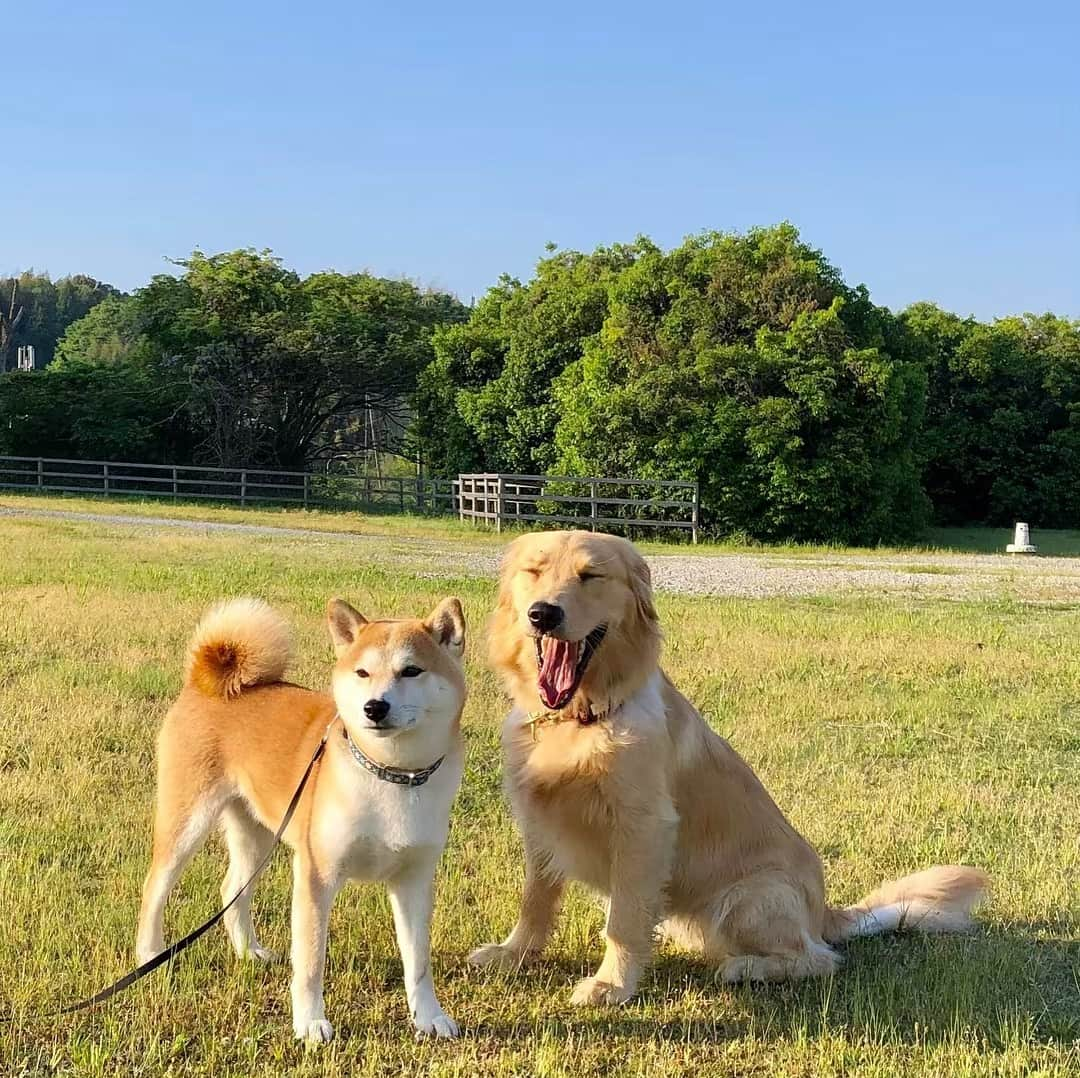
column 1062, row 543
column 895, row 734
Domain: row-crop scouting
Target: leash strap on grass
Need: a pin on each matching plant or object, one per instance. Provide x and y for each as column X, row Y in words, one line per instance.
column 172, row 951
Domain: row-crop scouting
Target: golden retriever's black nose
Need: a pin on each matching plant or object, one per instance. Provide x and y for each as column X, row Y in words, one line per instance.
column 545, row 616
column 376, row 710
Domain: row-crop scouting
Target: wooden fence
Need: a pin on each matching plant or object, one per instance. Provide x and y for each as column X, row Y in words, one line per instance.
column 623, row 504
column 586, row 501
column 243, row 485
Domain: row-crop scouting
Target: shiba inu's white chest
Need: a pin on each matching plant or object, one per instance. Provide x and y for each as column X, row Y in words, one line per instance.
column 371, row 827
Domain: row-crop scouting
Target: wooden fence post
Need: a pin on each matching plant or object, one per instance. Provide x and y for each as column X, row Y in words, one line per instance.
column 401, row 494
column 695, row 515
column 175, row 484
column 419, row 494
column 104, row 479
column 592, row 505
column 307, row 485
column 41, row 473
column 243, row 488
column 498, row 504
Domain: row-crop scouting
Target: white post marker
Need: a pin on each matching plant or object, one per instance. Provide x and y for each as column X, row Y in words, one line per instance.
column 1021, row 543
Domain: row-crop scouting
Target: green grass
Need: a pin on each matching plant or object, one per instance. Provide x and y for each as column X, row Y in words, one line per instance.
column 894, row 733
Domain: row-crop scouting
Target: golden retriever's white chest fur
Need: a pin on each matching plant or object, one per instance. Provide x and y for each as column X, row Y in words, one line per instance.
column 570, row 782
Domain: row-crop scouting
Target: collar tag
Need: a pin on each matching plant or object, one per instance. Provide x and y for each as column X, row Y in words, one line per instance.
column 553, row 718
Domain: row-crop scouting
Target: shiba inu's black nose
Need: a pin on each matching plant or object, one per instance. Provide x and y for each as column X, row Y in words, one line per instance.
column 545, row 616
column 376, row 710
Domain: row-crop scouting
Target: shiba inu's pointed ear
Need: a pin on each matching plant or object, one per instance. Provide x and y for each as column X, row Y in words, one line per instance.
column 344, row 622
column 447, row 625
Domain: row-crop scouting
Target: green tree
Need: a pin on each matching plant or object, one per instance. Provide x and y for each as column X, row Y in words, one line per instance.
column 283, row 370
column 741, row 361
column 48, row 308
column 93, row 412
column 108, row 334
column 745, row 363
column 488, row 399
column 1002, row 435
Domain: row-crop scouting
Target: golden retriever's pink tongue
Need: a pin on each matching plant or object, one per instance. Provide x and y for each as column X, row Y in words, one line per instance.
column 557, row 670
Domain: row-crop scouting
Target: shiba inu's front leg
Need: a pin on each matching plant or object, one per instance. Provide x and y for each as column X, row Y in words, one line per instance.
column 412, row 898
column 311, row 902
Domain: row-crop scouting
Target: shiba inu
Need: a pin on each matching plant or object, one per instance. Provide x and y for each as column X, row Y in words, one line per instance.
column 235, row 743
column 617, row 781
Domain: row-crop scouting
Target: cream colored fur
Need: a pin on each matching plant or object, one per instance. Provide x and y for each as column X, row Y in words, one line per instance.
column 651, row 808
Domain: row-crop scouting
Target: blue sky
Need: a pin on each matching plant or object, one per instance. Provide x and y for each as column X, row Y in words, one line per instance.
column 932, row 151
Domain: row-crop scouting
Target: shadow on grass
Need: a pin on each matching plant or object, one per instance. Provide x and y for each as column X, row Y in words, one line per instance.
column 1002, row 986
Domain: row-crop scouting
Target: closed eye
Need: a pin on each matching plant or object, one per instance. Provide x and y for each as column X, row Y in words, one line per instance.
column 411, row 671
column 585, row 576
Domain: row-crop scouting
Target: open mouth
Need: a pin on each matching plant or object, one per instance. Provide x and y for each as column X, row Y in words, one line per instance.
column 561, row 665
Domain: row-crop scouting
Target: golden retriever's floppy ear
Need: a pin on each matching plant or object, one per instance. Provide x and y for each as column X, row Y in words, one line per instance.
column 640, row 583
column 507, row 569
column 345, row 623
column 502, row 639
column 447, row 625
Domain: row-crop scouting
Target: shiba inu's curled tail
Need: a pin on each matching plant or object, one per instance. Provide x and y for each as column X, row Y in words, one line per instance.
column 238, row 644
column 938, row 899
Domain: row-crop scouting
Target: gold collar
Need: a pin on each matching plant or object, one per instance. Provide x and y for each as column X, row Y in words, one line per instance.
column 553, row 718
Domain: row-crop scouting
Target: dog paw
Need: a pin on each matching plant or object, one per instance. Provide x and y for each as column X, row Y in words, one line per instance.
column 262, row 954
column 438, row 1024
column 317, row 1031
column 594, row 993
column 497, row 956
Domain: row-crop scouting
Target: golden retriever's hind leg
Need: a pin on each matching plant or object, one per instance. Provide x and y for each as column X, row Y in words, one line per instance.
column 682, row 933
column 815, row 960
column 765, row 936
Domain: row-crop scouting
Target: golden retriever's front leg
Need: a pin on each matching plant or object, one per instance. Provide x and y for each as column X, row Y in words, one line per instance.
column 643, row 848
column 539, row 906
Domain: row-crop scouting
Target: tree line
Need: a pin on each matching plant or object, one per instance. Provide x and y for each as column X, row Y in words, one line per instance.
column 236, row 360
column 742, row 361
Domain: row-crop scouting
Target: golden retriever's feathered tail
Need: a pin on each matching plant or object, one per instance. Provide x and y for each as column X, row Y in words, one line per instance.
column 938, row 899
column 240, row 643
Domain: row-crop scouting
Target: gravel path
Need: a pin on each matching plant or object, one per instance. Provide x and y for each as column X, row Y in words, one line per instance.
column 752, row 575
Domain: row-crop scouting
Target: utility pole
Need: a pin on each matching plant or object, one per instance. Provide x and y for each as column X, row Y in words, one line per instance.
column 9, row 320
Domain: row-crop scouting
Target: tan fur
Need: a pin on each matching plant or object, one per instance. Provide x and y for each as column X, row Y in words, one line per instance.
column 653, row 809
column 239, row 644
column 232, row 750
column 936, row 900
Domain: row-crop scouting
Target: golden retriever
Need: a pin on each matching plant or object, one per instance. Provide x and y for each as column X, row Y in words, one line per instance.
column 617, row 781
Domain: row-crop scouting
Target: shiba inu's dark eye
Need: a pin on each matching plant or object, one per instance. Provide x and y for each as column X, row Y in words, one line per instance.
column 362, row 673
column 411, row 671
column 532, row 570
column 585, row 575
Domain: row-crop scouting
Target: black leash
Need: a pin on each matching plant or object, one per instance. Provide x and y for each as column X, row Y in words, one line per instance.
column 172, row 951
